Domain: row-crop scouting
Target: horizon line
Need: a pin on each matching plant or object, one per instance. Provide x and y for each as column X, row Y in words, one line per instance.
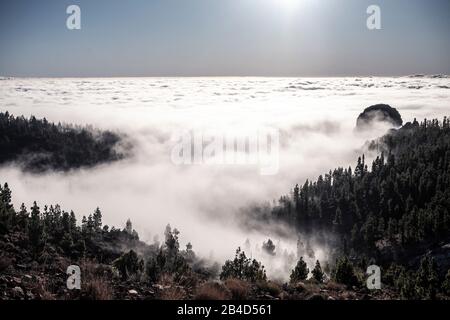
column 444, row 75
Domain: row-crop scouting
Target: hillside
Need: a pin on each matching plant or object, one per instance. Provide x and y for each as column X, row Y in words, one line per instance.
column 37, row 145
column 394, row 215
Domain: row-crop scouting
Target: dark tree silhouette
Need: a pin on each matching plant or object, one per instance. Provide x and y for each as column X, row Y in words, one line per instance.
column 38, row 145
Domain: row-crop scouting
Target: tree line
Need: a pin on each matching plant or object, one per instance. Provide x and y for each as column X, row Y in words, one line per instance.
column 38, row 145
column 401, row 202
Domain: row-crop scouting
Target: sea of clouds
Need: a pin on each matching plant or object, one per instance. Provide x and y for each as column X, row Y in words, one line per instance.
column 315, row 118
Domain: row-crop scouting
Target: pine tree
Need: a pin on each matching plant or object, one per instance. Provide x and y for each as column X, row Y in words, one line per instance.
column 296, row 198
column 73, row 221
column 22, row 218
column 317, row 272
column 90, row 225
column 5, row 196
column 446, row 283
column 36, row 233
column 427, row 279
column 300, row 272
column 97, row 220
column 66, row 223
column 129, row 227
column 433, row 278
column 269, row 247
column 243, row 268
column 84, row 226
column 171, row 241
column 7, row 213
column 66, row 243
column 189, row 254
column 337, row 222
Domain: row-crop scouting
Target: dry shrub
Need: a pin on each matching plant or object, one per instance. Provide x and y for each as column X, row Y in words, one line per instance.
column 239, row 289
column 42, row 290
column 93, row 269
column 212, row 291
column 299, row 286
column 172, row 293
column 5, row 263
column 334, row 286
column 272, row 288
column 169, row 289
column 97, row 289
column 188, row 280
column 312, row 286
column 347, row 295
column 94, row 284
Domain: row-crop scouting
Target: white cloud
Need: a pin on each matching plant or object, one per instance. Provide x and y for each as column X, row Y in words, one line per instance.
column 201, row 201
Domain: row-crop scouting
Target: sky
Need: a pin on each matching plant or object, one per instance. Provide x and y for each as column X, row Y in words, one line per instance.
column 223, row 38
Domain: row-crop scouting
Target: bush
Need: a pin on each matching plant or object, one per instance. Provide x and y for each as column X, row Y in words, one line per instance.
column 239, row 289
column 427, row 280
column 344, row 272
column 391, row 276
column 172, row 293
column 95, row 285
column 129, row 264
column 406, row 285
column 97, row 289
column 446, row 284
column 212, row 291
column 5, row 263
column 169, row 289
column 270, row 287
column 42, row 290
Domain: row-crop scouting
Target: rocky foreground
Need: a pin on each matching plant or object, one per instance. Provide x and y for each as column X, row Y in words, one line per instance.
column 23, row 278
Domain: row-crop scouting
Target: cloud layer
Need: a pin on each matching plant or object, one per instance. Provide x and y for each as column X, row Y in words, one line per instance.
column 315, row 118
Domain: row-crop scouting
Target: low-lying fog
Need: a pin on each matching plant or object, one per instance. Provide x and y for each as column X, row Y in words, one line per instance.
column 315, row 118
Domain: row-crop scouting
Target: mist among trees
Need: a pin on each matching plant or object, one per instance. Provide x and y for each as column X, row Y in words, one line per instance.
column 392, row 212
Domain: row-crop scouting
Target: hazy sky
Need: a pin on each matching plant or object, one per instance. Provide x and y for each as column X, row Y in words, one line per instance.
column 224, row 38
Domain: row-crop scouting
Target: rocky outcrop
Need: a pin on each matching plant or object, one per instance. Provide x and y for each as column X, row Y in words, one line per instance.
column 379, row 113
